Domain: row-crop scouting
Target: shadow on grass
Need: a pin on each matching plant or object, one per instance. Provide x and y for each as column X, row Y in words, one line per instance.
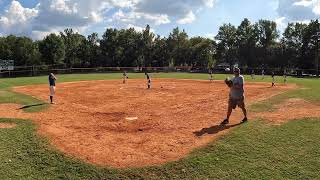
column 214, row 129
column 32, row 105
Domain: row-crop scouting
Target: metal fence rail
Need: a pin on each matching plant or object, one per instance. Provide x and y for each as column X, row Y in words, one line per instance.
column 27, row 71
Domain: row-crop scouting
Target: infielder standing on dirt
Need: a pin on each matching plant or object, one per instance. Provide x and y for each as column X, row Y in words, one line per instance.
column 148, row 80
column 236, row 95
column 52, row 86
column 210, row 75
column 273, row 80
column 125, row 77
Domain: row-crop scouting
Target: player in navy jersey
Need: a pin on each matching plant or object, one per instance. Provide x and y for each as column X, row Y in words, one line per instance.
column 148, row 80
column 52, row 86
column 273, row 79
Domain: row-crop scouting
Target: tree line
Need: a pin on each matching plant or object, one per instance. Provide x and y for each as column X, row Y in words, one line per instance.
column 257, row 45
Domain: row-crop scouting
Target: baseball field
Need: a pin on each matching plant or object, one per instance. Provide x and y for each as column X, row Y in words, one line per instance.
column 100, row 128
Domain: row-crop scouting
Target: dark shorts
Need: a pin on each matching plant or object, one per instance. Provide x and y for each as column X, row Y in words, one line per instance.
column 233, row 103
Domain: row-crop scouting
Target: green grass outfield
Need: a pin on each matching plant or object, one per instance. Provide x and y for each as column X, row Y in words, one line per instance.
column 256, row 150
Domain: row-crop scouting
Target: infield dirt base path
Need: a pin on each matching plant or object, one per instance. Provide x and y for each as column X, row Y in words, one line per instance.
column 125, row 125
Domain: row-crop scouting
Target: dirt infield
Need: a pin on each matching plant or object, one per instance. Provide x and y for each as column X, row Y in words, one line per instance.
column 290, row 110
column 108, row 123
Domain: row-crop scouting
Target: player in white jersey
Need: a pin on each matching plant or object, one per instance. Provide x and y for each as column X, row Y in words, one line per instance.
column 236, row 96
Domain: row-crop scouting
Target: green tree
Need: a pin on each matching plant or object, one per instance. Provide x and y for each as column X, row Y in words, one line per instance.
column 5, row 49
column 73, row 42
column 94, row 49
column 292, row 41
column 147, row 45
column 160, row 54
column 52, row 49
column 20, row 49
column 89, row 52
column 130, row 47
column 178, row 47
column 227, row 44
column 268, row 34
column 202, row 52
column 247, row 39
column 310, row 44
column 108, row 45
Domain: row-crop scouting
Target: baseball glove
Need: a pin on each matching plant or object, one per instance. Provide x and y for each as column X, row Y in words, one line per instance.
column 228, row 82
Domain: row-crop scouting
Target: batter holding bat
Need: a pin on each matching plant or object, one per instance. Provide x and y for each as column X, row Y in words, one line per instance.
column 236, row 95
column 52, row 86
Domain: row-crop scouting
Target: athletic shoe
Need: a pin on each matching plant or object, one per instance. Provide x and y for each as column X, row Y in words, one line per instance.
column 224, row 122
column 244, row 120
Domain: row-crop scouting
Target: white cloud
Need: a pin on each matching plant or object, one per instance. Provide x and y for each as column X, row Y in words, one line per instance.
column 182, row 10
column 281, row 22
column 316, row 8
column 139, row 18
column 314, row 4
column 303, row 3
column 210, row 36
column 208, row 3
column 189, row 18
column 42, row 34
column 124, row 3
column 55, row 15
column 62, row 7
column 17, row 16
column 138, row 28
column 304, row 21
column 299, row 10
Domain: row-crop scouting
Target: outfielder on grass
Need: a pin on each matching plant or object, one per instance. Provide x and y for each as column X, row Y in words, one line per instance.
column 52, row 86
column 262, row 73
column 236, row 95
column 285, row 76
column 252, row 74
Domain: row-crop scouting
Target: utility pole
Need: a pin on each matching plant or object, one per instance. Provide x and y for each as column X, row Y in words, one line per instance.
column 317, row 54
column 317, row 59
column 317, row 36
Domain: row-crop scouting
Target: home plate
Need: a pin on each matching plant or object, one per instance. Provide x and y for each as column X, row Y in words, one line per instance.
column 131, row 118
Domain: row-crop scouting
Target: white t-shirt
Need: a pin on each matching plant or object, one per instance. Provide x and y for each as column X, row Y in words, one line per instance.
column 237, row 93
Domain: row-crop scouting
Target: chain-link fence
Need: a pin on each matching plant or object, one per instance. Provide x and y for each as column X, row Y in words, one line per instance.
column 27, row 71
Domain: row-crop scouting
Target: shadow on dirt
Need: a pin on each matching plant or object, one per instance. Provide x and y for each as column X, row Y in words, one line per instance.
column 214, row 129
column 33, row 105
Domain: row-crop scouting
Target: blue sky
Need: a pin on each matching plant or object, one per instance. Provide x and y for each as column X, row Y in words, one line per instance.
column 37, row 18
